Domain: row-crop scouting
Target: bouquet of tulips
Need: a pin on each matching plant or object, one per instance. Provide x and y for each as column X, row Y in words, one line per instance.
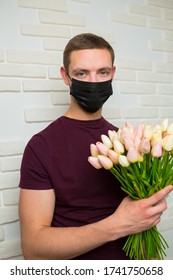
column 141, row 158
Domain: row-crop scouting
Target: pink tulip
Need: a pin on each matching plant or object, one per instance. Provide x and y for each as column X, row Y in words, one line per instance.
column 128, row 143
column 94, row 150
column 156, row 150
column 102, row 148
column 113, row 156
column 94, row 161
column 105, row 162
column 106, row 141
column 137, row 141
column 139, row 130
column 126, row 133
column 123, row 161
column 133, row 155
column 144, row 146
column 167, row 142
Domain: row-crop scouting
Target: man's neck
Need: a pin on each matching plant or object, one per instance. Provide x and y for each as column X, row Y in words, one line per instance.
column 80, row 114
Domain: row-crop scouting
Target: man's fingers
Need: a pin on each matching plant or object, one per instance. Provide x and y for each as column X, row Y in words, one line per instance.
column 155, row 198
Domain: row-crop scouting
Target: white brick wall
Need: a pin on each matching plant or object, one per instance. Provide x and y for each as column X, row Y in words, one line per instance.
column 32, row 93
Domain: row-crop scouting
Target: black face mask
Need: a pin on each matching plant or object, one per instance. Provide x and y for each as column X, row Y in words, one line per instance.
column 91, row 95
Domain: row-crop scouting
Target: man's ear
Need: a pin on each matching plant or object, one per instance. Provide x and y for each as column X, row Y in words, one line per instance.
column 64, row 75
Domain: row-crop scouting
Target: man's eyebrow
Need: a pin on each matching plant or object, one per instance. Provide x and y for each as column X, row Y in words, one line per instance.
column 78, row 69
column 82, row 69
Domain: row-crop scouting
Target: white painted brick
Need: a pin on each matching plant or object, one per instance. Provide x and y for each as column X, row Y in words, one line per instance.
column 45, row 30
column 144, row 10
column 10, row 163
column 44, row 114
column 2, row 57
column 16, row 70
column 1, row 234
column 169, row 57
column 133, row 64
column 136, row 88
column 8, row 84
column 59, row 5
column 164, row 89
column 83, row 1
column 11, row 197
column 138, row 112
column 125, row 75
column 61, row 18
column 163, row 67
column 19, row 257
column 166, row 224
column 161, row 3
column 54, row 72
column 167, row 14
column 10, row 249
column 111, row 113
column 54, row 43
column 168, row 35
column 60, row 98
column 127, row 19
column 170, row 211
column 14, row 147
column 32, row 57
column 8, row 214
column 44, row 85
column 160, row 24
column 9, row 180
column 153, row 77
column 161, row 46
column 156, row 100
column 166, row 112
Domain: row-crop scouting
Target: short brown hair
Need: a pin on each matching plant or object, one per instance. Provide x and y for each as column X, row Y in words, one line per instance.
column 85, row 41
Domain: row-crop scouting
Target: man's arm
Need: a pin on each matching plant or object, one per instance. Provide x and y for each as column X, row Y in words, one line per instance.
column 41, row 241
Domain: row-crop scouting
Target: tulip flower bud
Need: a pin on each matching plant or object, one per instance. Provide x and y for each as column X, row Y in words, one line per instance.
column 105, row 162
column 133, row 155
column 94, row 161
column 106, row 141
column 167, row 142
column 157, row 137
column 144, row 146
column 112, row 134
column 94, row 150
column 114, row 157
column 148, row 132
column 123, row 161
column 139, row 130
column 118, row 147
column 103, row 149
column 164, row 125
column 128, row 143
column 170, row 129
column 156, row 150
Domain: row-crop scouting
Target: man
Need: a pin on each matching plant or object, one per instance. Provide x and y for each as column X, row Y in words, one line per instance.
column 68, row 209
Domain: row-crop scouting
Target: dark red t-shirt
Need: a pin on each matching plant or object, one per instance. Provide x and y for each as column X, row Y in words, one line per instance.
column 57, row 158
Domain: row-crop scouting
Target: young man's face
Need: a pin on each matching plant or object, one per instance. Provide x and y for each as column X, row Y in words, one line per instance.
column 91, row 65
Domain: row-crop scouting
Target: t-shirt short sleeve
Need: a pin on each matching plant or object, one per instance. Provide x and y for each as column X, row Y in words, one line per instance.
column 35, row 165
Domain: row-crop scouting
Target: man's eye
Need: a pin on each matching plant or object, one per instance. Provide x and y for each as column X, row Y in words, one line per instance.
column 104, row 73
column 80, row 74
